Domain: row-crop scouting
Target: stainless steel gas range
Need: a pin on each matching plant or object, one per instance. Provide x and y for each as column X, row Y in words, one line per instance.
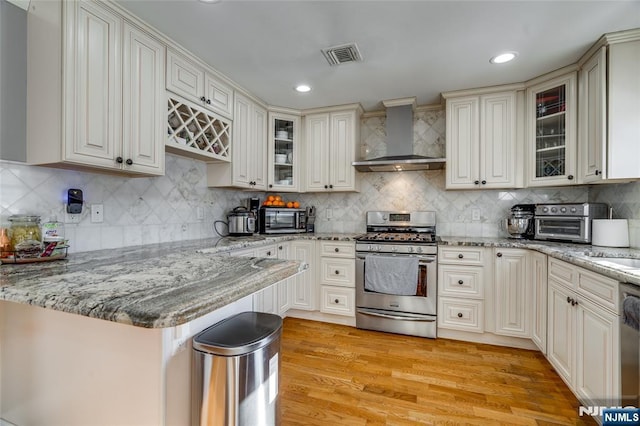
column 396, row 275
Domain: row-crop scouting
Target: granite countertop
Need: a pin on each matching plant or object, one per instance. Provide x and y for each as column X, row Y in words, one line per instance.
column 153, row 286
column 586, row 256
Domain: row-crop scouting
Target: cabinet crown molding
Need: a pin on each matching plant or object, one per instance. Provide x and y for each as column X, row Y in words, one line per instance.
column 345, row 107
column 483, row 90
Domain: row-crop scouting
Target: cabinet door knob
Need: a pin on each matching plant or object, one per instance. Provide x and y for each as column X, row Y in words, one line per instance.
column 499, row 254
column 203, row 99
column 119, row 160
column 459, row 314
column 597, row 172
column 476, row 182
column 568, row 299
column 570, row 177
column 460, row 282
column 484, row 182
column 336, row 249
column 208, row 101
column 280, row 247
column 337, row 272
column 326, row 187
column 129, row 161
column 460, row 256
column 269, row 253
column 330, row 186
column 270, row 185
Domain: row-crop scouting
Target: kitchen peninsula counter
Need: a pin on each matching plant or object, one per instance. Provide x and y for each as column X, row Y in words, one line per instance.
column 583, row 255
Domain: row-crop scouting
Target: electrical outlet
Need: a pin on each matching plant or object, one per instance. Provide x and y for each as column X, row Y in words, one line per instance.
column 475, row 214
column 97, row 213
column 199, row 213
column 72, row 218
column 329, row 213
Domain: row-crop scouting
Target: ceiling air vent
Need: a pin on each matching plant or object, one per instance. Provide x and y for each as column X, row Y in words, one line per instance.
column 342, row 54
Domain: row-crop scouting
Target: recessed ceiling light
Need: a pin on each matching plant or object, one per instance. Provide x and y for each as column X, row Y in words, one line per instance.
column 303, row 88
column 503, row 57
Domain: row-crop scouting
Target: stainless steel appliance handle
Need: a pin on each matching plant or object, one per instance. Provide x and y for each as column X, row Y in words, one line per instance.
column 424, row 259
column 396, row 317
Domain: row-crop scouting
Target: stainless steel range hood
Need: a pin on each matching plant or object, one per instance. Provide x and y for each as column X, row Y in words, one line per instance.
column 399, row 143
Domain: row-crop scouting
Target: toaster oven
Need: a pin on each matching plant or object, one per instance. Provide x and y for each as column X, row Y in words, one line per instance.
column 569, row 222
column 274, row 220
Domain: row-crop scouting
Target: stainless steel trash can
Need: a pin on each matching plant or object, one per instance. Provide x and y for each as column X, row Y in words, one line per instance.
column 235, row 372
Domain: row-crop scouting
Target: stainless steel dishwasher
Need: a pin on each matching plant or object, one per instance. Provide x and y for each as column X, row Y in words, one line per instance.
column 630, row 344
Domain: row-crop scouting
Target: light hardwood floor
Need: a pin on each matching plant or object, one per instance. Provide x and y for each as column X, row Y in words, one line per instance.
column 339, row 375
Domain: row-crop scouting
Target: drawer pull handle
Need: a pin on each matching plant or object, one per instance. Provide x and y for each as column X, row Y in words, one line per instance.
column 337, row 272
column 269, row 253
column 460, row 256
column 459, row 314
column 336, row 301
column 460, row 282
column 337, row 250
column 499, row 254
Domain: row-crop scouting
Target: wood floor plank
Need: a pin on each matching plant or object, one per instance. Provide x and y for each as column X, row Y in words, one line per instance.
column 338, row 375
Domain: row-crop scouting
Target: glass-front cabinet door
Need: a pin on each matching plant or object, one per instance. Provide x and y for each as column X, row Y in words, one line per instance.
column 284, row 152
column 552, row 132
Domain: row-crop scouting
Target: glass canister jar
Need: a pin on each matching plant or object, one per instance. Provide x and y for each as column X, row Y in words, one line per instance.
column 26, row 235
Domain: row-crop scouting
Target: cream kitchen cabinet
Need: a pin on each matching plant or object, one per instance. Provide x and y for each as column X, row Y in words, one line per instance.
column 332, row 140
column 336, row 276
column 538, row 271
column 462, row 280
column 248, row 167
column 284, row 152
column 199, row 85
column 303, row 286
column 583, row 341
column 512, row 292
column 484, row 139
column 552, row 131
column 96, row 95
column 608, row 126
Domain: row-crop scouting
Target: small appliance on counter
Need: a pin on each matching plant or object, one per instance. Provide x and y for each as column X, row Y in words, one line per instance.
column 520, row 223
column 567, row 221
column 282, row 220
column 311, row 219
column 242, row 222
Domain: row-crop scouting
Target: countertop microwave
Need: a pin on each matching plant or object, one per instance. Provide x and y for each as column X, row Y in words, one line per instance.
column 280, row 220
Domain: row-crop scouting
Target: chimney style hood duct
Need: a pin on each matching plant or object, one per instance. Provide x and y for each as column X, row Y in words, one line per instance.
column 400, row 156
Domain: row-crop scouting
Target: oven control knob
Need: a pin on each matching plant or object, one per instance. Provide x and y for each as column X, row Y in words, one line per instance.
column 385, row 217
column 553, row 209
column 545, row 209
column 411, row 249
column 573, row 210
column 563, row 209
column 419, row 249
column 394, row 249
column 378, row 248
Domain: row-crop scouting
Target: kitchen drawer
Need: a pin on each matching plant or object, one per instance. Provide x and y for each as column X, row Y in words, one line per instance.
column 461, row 255
column 599, row 289
column 338, row 249
column 335, row 271
column 267, row 251
column 457, row 314
column 338, row 300
column 461, row 280
column 563, row 272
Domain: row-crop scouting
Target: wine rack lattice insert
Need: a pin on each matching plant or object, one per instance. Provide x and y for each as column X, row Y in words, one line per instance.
column 198, row 132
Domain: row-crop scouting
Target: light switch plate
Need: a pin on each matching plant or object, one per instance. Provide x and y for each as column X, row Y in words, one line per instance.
column 97, row 213
column 475, row 214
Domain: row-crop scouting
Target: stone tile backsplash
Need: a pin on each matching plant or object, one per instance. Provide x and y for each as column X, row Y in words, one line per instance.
column 160, row 209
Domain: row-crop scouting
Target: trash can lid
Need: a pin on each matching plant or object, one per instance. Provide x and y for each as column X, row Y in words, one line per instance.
column 240, row 334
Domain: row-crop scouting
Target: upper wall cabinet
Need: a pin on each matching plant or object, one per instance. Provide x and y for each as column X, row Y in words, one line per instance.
column 95, row 91
column 332, row 139
column 551, row 132
column 284, row 152
column 609, row 100
column 187, row 79
column 248, row 167
column 484, row 143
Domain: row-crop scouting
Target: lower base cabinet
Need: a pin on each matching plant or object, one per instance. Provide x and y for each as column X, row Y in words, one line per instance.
column 336, row 277
column 583, row 332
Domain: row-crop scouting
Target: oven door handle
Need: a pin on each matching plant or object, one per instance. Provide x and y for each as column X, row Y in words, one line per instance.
column 396, row 317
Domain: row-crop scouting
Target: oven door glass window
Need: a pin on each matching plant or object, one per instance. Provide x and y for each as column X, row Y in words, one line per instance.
column 561, row 227
column 420, row 285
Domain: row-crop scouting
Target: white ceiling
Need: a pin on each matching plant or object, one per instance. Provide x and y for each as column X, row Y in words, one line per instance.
column 410, row 48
